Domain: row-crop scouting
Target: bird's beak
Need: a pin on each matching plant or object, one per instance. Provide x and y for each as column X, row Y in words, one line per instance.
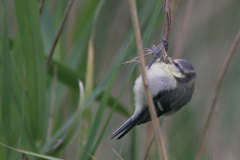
column 170, row 60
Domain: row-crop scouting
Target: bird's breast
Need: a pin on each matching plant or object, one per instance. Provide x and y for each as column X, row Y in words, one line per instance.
column 159, row 79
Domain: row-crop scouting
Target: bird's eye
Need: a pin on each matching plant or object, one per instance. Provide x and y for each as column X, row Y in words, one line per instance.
column 176, row 64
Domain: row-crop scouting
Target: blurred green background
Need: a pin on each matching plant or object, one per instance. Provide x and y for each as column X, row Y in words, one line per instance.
column 43, row 114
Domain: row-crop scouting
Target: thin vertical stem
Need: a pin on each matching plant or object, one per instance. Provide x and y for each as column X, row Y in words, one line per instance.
column 142, row 65
column 215, row 95
column 167, row 19
column 59, row 33
column 41, row 5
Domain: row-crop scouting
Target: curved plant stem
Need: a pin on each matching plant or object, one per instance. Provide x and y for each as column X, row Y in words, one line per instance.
column 59, row 33
column 215, row 95
column 166, row 32
column 142, row 65
column 41, row 4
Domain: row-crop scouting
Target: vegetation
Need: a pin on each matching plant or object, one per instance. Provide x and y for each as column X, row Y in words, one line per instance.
column 69, row 110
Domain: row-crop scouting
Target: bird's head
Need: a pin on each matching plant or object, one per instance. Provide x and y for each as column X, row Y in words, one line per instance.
column 182, row 70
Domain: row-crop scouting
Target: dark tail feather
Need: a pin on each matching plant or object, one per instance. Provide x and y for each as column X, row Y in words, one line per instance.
column 124, row 129
column 129, row 124
column 143, row 117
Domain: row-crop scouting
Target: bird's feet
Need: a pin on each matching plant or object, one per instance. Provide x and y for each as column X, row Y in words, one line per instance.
column 156, row 52
column 155, row 55
column 165, row 43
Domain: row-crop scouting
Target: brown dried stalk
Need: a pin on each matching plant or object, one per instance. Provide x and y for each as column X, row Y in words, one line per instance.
column 215, row 95
column 41, row 4
column 59, row 33
column 142, row 65
column 166, row 31
column 150, row 52
column 167, row 19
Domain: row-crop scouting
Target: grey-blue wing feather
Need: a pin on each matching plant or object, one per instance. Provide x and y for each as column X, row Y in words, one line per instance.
column 143, row 117
column 159, row 110
column 127, row 126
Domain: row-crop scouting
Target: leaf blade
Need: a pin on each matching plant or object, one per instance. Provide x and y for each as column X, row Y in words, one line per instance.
column 32, row 153
column 32, row 48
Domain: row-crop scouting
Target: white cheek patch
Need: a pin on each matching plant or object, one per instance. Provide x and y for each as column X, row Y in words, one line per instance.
column 177, row 74
column 175, row 68
column 175, row 71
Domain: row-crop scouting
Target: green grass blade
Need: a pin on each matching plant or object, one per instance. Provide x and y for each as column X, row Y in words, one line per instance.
column 5, row 97
column 82, row 32
column 149, row 147
column 80, row 115
column 98, row 117
column 66, row 74
column 88, row 112
column 63, row 129
column 101, row 86
column 2, row 150
column 69, row 77
column 18, row 102
column 152, row 22
column 77, row 119
column 145, row 40
column 84, row 15
column 32, row 153
column 32, row 48
column 112, row 110
column 20, row 122
column 58, row 135
column 19, row 119
column 117, row 154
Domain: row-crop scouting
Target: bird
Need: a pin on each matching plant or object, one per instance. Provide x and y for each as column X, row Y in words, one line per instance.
column 171, row 85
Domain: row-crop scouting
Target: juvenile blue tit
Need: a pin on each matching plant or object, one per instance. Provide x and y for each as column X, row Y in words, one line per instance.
column 171, row 86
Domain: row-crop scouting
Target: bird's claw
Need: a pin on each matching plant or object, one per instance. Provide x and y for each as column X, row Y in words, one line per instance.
column 156, row 52
column 165, row 43
column 155, row 55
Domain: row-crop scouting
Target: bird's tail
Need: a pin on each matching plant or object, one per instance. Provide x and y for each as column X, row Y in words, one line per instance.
column 130, row 123
column 124, row 129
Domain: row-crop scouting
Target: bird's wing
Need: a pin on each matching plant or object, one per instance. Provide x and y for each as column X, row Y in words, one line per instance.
column 142, row 117
column 127, row 126
column 145, row 116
